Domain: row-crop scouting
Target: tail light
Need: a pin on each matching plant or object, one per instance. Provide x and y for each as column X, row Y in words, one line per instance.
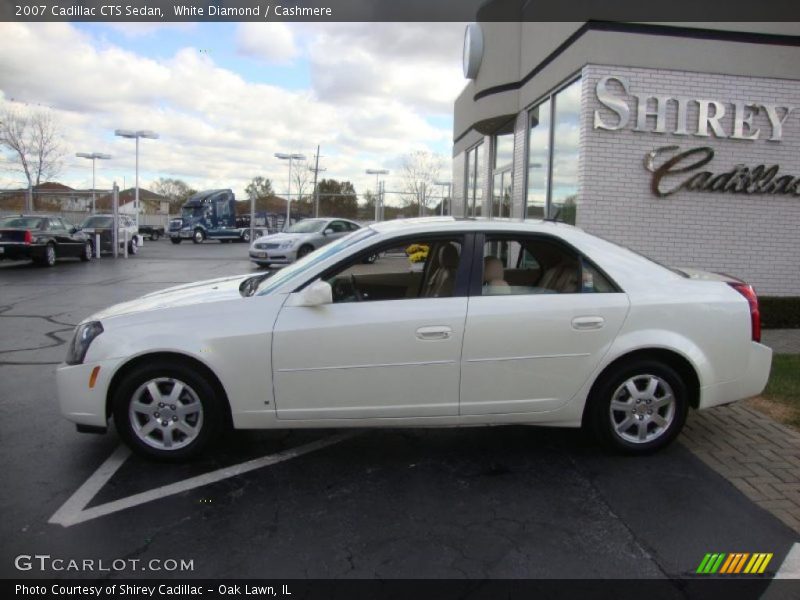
column 28, row 237
column 755, row 316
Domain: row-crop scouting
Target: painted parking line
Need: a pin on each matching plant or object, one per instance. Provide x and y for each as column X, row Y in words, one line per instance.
column 74, row 510
column 790, row 568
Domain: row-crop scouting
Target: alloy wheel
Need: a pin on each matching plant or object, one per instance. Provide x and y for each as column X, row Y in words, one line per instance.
column 642, row 409
column 166, row 413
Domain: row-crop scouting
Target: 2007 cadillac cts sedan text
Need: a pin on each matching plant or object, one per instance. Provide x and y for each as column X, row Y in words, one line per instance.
column 457, row 322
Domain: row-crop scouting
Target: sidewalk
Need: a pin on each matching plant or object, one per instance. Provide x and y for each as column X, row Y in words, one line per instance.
column 760, row 457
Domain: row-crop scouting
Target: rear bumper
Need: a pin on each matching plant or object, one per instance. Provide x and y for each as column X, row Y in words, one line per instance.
column 19, row 251
column 751, row 383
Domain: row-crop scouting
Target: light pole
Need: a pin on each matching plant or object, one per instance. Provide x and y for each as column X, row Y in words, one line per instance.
column 377, row 173
column 290, row 158
column 94, row 156
column 443, row 184
column 141, row 133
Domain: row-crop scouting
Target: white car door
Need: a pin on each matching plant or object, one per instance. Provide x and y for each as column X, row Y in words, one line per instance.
column 393, row 353
column 536, row 330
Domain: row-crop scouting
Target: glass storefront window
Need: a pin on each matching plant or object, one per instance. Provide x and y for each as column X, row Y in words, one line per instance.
column 538, row 160
column 564, row 187
column 501, row 174
column 503, row 151
column 553, row 171
column 473, row 197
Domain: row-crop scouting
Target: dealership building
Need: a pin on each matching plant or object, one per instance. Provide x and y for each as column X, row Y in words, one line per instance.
column 678, row 140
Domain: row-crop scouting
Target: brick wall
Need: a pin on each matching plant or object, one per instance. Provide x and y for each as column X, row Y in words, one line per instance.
column 755, row 237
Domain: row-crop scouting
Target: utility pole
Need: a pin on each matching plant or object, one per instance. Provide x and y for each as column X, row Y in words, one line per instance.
column 316, row 170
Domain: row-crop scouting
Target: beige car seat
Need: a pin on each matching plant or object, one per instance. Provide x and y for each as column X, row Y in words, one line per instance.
column 441, row 282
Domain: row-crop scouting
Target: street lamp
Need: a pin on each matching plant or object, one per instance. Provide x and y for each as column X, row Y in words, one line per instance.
column 141, row 133
column 290, row 158
column 94, row 156
column 377, row 173
column 448, row 184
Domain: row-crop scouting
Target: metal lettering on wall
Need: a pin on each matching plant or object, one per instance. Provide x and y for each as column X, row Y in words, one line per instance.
column 709, row 114
column 741, row 179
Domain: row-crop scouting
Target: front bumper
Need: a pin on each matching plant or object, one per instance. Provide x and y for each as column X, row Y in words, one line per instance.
column 273, row 257
column 751, row 383
column 77, row 401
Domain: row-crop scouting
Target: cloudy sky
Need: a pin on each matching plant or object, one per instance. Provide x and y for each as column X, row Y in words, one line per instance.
column 225, row 97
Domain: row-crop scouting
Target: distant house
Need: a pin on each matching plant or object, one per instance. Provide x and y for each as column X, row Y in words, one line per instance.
column 49, row 196
column 151, row 203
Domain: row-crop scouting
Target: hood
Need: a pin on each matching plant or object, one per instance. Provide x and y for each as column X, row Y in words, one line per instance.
column 212, row 290
column 281, row 237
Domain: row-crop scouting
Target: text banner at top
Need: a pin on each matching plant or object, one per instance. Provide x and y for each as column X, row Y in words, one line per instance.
column 712, row 11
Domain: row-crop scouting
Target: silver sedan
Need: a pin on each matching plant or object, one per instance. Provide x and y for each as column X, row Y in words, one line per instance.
column 297, row 241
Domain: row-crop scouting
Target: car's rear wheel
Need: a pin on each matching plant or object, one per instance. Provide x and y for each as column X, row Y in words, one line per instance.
column 246, row 236
column 86, row 256
column 133, row 246
column 175, row 240
column 168, row 412
column 638, row 408
column 303, row 251
column 49, row 258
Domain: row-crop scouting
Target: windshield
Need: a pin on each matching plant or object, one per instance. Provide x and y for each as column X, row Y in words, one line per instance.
column 311, row 260
column 26, row 222
column 307, row 226
column 98, row 222
column 192, row 211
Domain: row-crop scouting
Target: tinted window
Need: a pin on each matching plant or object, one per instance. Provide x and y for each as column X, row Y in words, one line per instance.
column 537, row 265
column 419, row 268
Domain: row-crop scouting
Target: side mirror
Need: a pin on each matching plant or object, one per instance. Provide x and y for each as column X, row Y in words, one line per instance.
column 327, row 231
column 75, row 229
column 316, row 294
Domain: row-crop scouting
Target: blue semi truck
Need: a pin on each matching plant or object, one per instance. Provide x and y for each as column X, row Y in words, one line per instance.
column 209, row 215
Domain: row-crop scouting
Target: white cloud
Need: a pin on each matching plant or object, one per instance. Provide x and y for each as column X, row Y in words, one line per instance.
column 270, row 41
column 374, row 88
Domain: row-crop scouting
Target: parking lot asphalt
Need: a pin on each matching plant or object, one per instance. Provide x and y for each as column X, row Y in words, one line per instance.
column 503, row 502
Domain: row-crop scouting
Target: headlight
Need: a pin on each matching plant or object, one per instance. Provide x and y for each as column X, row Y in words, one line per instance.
column 287, row 245
column 84, row 334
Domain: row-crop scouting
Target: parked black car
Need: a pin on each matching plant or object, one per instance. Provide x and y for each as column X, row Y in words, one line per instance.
column 42, row 239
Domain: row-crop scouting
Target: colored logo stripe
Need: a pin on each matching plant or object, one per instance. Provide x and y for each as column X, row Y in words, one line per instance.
column 734, row 563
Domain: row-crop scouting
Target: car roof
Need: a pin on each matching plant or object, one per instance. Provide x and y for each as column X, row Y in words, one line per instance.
column 428, row 224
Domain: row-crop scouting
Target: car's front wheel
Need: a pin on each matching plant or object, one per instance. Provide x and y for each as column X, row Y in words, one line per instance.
column 198, row 236
column 133, row 246
column 638, row 408
column 304, row 250
column 86, row 255
column 167, row 411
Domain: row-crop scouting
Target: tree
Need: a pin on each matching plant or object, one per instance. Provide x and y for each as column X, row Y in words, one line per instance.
column 32, row 140
column 301, row 179
column 177, row 190
column 337, row 199
column 259, row 188
column 419, row 174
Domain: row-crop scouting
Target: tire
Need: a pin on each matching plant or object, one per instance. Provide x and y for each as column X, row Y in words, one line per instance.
column 175, row 240
column 634, row 394
column 133, row 247
column 224, row 241
column 155, row 237
column 88, row 253
column 303, row 251
column 198, row 236
column 49, row 258
column 246, row 236
column 184, row 435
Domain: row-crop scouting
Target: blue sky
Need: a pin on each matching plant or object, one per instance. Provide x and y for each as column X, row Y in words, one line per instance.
column 225, row 96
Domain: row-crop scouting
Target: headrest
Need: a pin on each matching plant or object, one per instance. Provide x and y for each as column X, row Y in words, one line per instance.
column 448, row 256
column 492, row 269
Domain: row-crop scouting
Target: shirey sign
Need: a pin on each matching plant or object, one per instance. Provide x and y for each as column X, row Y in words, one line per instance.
column 675, row 169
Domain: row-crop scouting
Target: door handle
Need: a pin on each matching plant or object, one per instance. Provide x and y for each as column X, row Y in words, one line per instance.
column 434, row 333
column 584, row 323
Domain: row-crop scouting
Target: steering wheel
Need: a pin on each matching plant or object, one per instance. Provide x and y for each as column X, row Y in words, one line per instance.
column 357, row 294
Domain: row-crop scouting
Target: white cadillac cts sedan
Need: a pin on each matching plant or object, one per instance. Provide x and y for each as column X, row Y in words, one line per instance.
column 458, row 322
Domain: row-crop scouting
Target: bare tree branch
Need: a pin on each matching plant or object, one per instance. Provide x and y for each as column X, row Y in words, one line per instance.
column 420, row 171
column 32, row 140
